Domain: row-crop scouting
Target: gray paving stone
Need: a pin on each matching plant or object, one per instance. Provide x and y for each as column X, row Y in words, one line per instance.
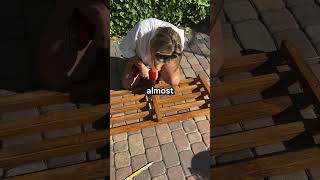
column 176, row 173
column 301, row 175
column 234, row 156
column 151, row 142
column 200, row 118
column 122, row 159
column 138, row 161
column 313, row 33
column 194, row 137
column 66, row 160
column 154, row 154
column 122, row 173
column 203, row 126
column 268, row 5
column 278, row 21
column 254, row 35
column 232, row 47
column 134, row 132
column 189, row 73
column 143, row 176
column 189, row 126
column 157, row 169
column 206, row 139
column 170, row 155
column 268, row 149
column 307, row 15
column 120, row 146
column 21, row 140
column 198, row 148
column 175, row 125
column 315, row 173
column 226, row 129
column 136, row 146
column 112, row 173
column 57, row 108
column 119, row 137
column 111, row 159
column 163, row 133
column 300, row 39
column 257, row 123
column 62, row 132
column 186, row 159
column 240, row 11
column 180, row 140
column 27, row 168
column 184, row 63
column 162, row 177
column 25, row 114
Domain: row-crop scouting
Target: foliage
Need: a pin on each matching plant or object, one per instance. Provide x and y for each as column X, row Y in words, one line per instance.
column 127, row 13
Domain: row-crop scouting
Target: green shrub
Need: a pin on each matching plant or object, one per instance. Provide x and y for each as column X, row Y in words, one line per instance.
column 127, row 13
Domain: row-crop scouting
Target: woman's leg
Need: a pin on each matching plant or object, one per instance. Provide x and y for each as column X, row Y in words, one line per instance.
column 129, row 80
column 171, row 74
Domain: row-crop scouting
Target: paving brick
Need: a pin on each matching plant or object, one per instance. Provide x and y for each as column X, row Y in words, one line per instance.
column 240, row 11
column 143, row 176
column 253, row 35
column 162, row 177
column 231, row 47
column 191, row 58
column 27, row 168
column 154, row 154
column 120, row 146
column 315, row 173
column 268, row 5
column 26, row 114
column 189, row 126
column 66, row 160
column 194, row 137
column 226, row 129
column 136, row 144
column 298, row 3
column 301, row 175
column 198, row 148
column 257, row 123
column 122, row 173
column 199, row 118
column 112, row 173
column 234, row 156
column 111, row 159
column 157, row 169
column 21, row 140
column 163, row 134
column 176, row 173
column 148, row 132
column 271, row 148
column 170, row 155
column 206, row 139
column 186, row 159
column 307, row 15
column 138, row 161
column 278, row 21
column 313, row 33
column 62, row 132
column 134, row 132
column 175, row 125
column 203, row 126
column 189, row 73
column 180, row 140
column 122, row 159
column 151, row 142
column 119, row 137
column 184, row 63
column 58, row 108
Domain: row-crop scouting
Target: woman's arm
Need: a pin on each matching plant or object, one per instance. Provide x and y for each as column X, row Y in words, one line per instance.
column 217, row 49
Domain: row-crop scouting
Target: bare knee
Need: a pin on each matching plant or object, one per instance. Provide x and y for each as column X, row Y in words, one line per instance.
column 174, row 81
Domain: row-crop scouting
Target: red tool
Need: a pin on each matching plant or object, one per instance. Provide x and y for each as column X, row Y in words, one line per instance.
column 153, row 74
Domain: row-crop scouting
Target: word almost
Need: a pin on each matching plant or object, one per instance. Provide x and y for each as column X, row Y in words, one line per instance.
column 158, row 91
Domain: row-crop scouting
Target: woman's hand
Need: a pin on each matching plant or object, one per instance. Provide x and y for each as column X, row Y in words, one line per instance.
column 144, row 71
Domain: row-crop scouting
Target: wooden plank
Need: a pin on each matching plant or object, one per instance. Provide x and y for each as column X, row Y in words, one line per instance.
column 182, row 106
column 30, row 100
column 250, row 85
column 127, row 108
column 186, row 88
column 250, row 111
column 51, row 121
column 156, row 106
column 83, row 171
column 204, row 83
column 47, row 148
column 242, row 64
column 268, row 166
column 179, row 98
column 130, row 117
column 256, row 137
column 127, row 99
column 164, row 120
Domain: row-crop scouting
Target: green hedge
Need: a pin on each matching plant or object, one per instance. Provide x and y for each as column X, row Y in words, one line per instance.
column 126, row 13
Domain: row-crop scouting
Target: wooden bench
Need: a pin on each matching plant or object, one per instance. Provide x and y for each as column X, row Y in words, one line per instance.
column 290, row 127
column 16, row 155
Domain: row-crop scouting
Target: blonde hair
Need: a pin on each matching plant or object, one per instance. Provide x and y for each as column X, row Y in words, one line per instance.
column 166, row 47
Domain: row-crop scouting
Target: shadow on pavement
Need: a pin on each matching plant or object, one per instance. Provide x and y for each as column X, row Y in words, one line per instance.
column 200, row 165
column 117, row 66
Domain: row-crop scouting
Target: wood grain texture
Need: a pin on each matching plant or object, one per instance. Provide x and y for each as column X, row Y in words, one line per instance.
column 127, row 108
column 130, row 117
column 182, row 106
column 156, row 106
column 127, row 99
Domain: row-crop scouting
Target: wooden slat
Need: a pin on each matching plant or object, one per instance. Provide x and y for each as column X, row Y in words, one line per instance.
column 250, row 85
column 127, row 99
column 256, row 137
column 130, row 117
column 83, row 171
column 51, row 121
column 182, row 106
column 46, row 149
column 156, row 105
column 127, row 108
column 31, row 99
column 204, row 83
column 186, row 88
column 268, row 166
column 164, row 120
column 179, row 98
column 242, row 64
column 250, row 111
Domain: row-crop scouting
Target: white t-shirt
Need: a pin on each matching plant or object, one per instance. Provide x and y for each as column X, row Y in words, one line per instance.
column 137, row 40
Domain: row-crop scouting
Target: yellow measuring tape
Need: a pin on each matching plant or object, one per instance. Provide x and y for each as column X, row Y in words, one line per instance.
column 139, row 171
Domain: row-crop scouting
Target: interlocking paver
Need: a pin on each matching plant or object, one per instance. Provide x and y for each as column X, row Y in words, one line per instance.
column 157, row 169
column 163, row 134
column 203, row 126
column 189, row 126
column 194, row 137
column 138, row 161
column 136, row 146
column 186, row 159
column 240, row 11
column 143, row 176
column 27, row 168
column 198, row 148
column 122, row 173
column 234, row 156
column 206, row 139
column 271, row 148
column 170, row 155
column 122, row 159
column 148, row 132
column 120, row 137
column 162, row 177
column 175, row 125
column 254, row 35
column 180, row 140
column 151, row 142
column 269, row 5
column 278, row 21
column 154, row 154
column 120, row 146
column 307, row 15
column 176, row 173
